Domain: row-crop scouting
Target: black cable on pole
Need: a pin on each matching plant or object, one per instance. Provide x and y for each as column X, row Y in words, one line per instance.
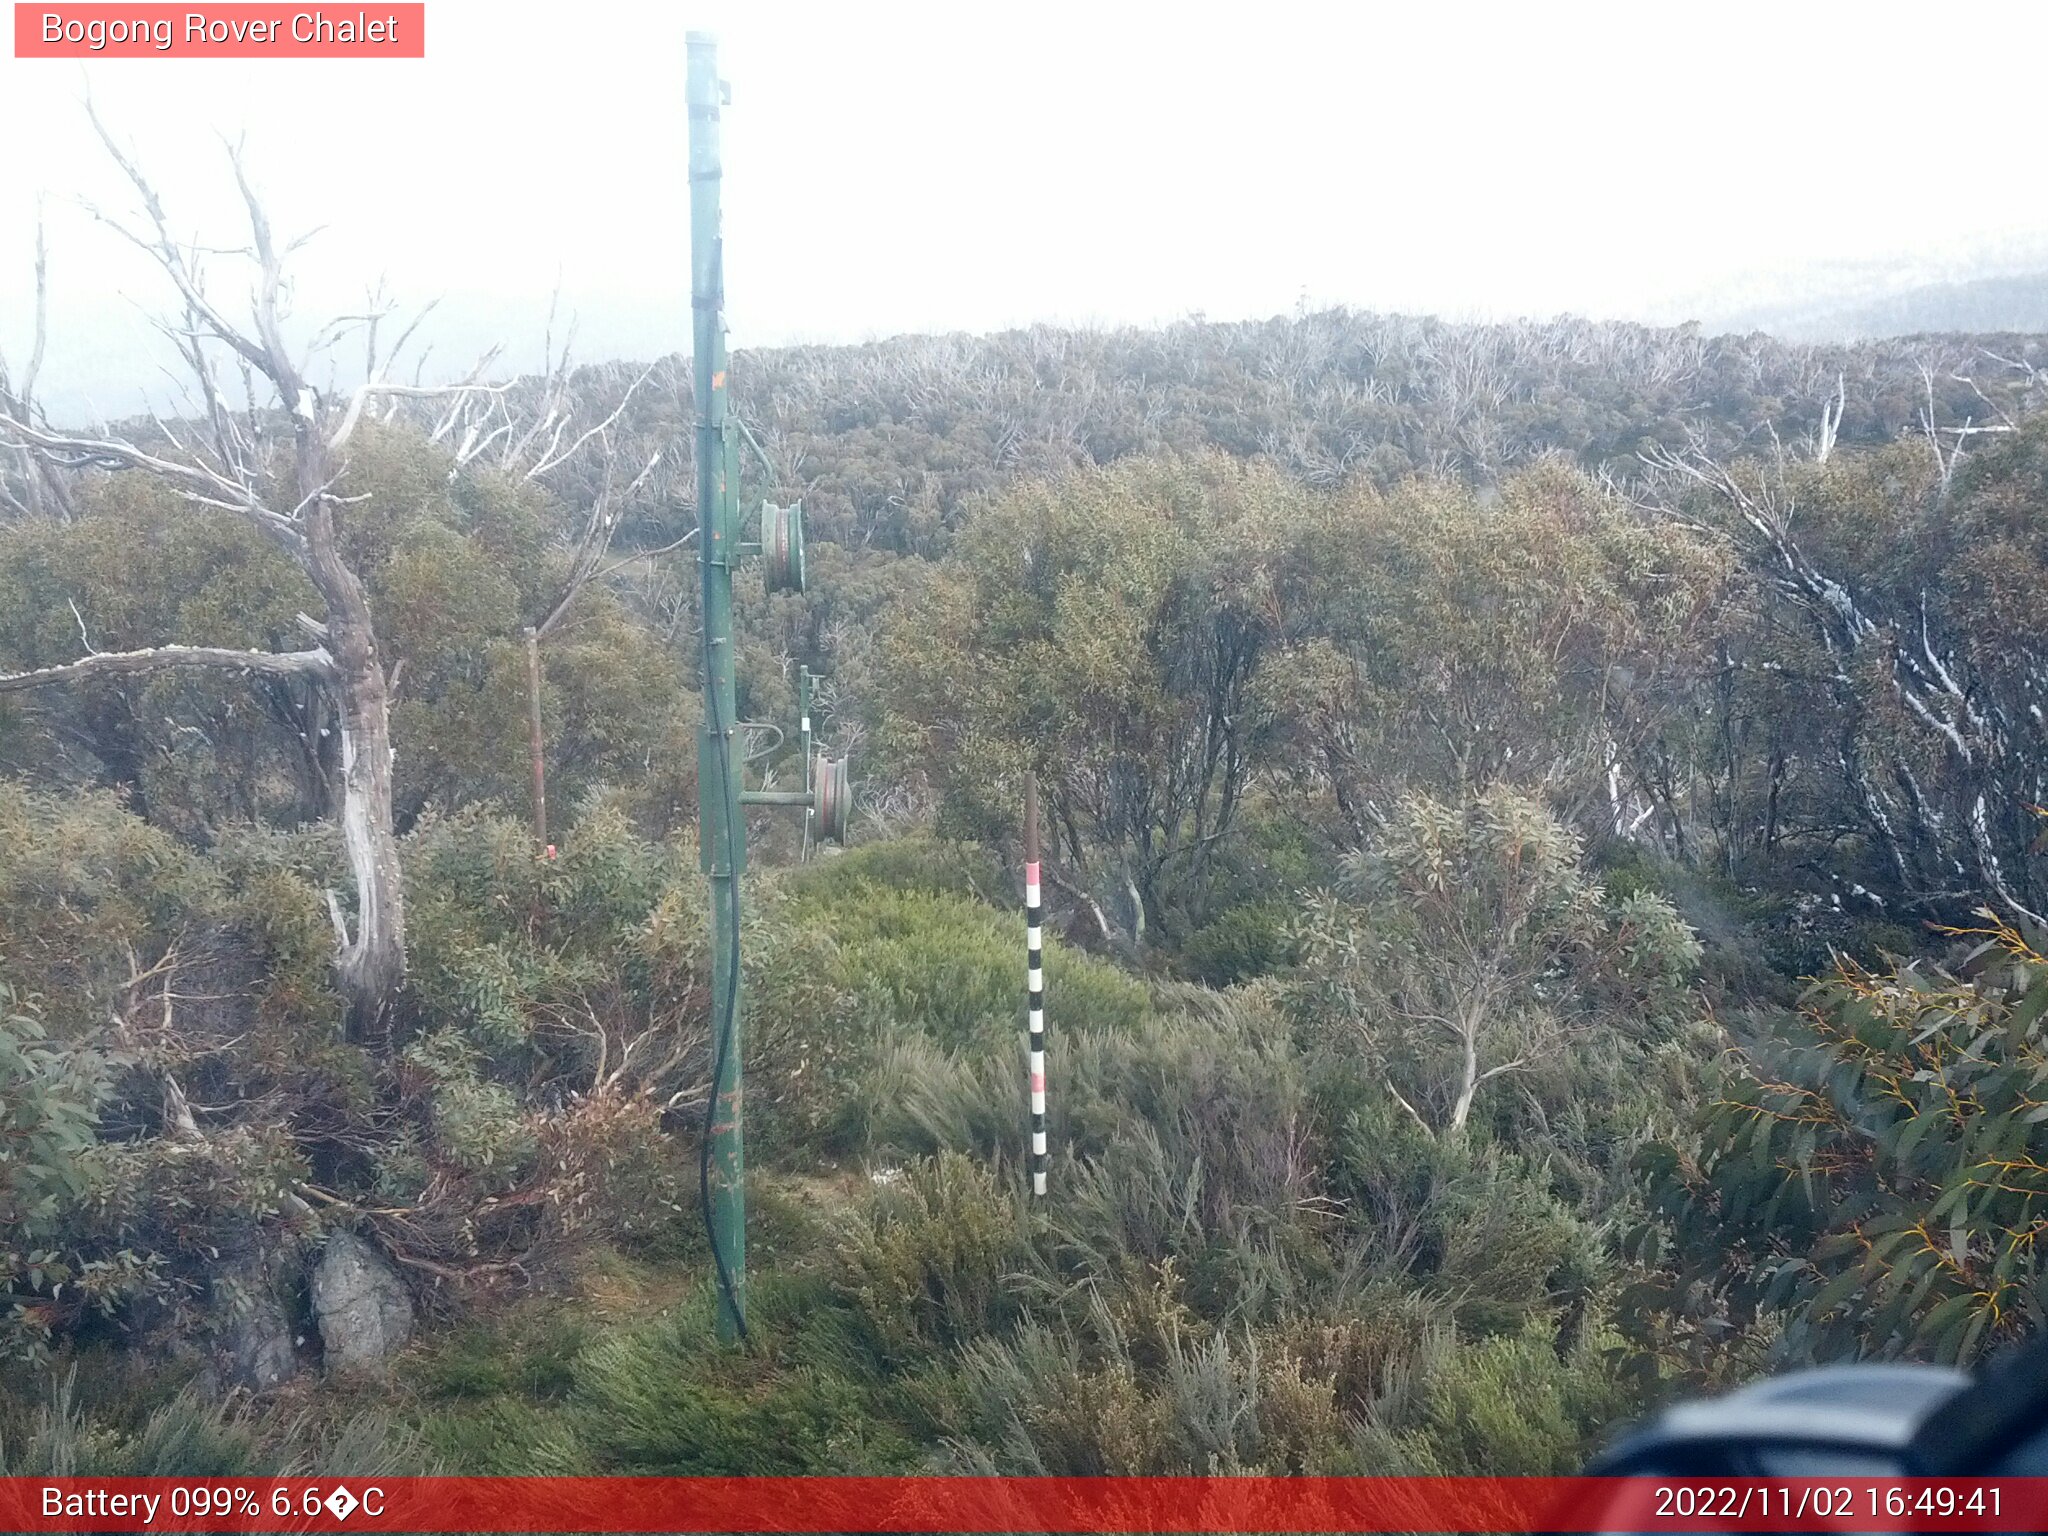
column 723, row 1038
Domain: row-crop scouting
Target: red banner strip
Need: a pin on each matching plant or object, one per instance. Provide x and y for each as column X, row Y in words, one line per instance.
column 377, row 30
column 1035, row 1504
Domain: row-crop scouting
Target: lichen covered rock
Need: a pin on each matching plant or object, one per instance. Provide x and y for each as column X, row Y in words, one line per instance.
column 363, row 1310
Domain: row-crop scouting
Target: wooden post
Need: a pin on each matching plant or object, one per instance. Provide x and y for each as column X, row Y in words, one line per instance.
column 534, row 740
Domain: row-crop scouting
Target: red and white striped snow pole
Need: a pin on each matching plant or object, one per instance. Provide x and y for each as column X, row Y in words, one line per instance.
column 1034, row 980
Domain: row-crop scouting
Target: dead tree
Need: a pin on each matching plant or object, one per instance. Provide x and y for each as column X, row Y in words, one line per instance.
column 276, row 457
column 1974, row 734
column 29, row 485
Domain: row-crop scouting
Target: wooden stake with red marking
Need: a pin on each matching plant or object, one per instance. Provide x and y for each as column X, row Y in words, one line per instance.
column 535, row 745
column 1034, row 981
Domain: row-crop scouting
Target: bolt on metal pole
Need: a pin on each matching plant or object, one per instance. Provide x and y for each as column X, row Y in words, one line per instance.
column 721, row 831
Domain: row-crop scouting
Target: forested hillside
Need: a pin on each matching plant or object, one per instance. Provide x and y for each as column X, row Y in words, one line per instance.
column 1545, row 857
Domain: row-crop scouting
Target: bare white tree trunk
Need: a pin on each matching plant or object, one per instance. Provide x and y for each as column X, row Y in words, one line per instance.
column 1468, row 1081
column 371, row 964
column 294, row 505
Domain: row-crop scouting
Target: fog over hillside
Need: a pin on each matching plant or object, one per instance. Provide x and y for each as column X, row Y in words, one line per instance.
column 2016, row 303
column 928, row 169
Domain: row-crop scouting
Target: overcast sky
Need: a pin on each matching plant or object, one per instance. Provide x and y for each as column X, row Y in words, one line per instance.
column 895, row 167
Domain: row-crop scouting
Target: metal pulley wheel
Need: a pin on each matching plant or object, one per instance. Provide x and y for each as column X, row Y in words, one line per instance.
column 782, row 546
column 832, row 798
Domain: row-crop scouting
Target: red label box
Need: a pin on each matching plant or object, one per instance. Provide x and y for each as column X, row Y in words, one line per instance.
column 377, row 30
column 1058, row 1506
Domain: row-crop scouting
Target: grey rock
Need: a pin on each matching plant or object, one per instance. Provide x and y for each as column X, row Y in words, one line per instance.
column 256, row 1346
column 363, row 1310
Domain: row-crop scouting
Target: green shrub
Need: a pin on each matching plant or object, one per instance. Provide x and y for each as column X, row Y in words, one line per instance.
column 1505, row 1243
column 1241, row 944
column 954, row 967
column 1038, row 1405
column 478, row 1125
column 504, row 1436
column 807, row 1054
column 919, row 863
column 187, row 1437
column 1508, row 1406
column 89, row 894
column 49, row 1162
column 1045, row 1401
column 1476, row 1226
column 1191, row 1138
column 920, row 1099
column 1871, row 1165
column 1363, row 1348
column 663, row 1400
column 72, row 1433
column 90, row 1225
column 928, row 1261
column 529, row 1353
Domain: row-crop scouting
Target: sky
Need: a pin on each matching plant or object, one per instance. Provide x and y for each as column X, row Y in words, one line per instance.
column 900, row 167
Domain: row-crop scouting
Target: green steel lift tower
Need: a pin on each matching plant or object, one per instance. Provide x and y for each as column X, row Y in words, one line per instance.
column 721, row 756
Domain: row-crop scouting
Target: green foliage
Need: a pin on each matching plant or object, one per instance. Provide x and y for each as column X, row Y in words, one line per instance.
column 929, row 1260
column 654, row 1402
column 561, row 1017
column 1193, row 1142
column 455, row 565
column 916, row 1052
column 50, row 1168
column 1354, row 1214
column 1104, row 630
column 922, row 1099
column 530, row 1353
column 614, row 712
column 1846, row 756
column 1471, row 944
column 100, row 913
column 84, row 884
column 141, row 567
column 185, row 1437
column 1509, row 1406
column 1480, row 1229
column 1442, row 639
column 49, row 1110
column 947, row 965
column 918, row 863
column 1241, row 944
column 1045, row 1409
column 477, row 1124
column 897, row 437
column 952, row 967
column 157, row 966
column 1872, row 1166
column 509, row 1437
column 66, row 1433
column 1219, row 1405
column 497, row 1390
